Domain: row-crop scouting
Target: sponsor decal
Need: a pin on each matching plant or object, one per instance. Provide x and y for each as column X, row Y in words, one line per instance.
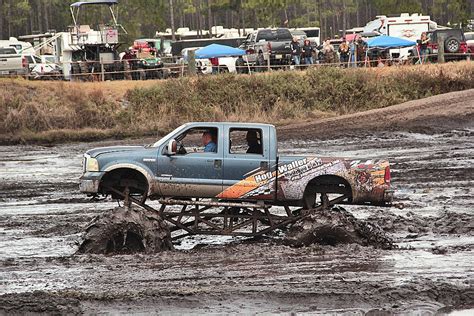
column 262, row 183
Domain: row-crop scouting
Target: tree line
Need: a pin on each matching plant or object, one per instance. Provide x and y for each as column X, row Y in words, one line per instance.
column 142, row 18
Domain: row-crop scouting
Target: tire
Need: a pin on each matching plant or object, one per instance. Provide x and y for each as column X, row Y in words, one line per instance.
column 126, row 230
column 451, row 45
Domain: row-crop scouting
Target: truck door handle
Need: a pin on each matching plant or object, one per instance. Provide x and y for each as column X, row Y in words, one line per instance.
column 264, row 164
column 217, row 163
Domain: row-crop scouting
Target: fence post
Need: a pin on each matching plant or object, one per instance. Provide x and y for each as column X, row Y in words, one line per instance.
column 191, row 63
column 102, row 70
column 440, row 48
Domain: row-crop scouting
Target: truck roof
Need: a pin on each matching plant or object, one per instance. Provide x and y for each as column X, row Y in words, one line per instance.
column 240, row 124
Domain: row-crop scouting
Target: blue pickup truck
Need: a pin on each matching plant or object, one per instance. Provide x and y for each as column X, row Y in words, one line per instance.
column 243, row 166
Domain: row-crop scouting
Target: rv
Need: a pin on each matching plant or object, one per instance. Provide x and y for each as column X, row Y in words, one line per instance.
column 405, row 26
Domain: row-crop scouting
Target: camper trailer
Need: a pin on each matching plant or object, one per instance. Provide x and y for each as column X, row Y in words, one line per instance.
column 405, row 26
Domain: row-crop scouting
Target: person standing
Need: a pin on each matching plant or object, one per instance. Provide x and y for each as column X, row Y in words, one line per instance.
column 424, row 40
column 295, row 51
column 328, row 51
column 215, row 65
column 361, row 46
column 308, row 50
column 344, row 52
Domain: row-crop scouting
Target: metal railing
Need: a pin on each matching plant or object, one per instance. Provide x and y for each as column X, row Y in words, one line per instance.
column 130, row 70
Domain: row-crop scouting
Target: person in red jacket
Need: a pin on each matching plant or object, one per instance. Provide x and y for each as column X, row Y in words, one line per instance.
column 215, row 65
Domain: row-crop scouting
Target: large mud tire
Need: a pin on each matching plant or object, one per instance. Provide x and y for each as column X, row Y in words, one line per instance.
column 126, row 230
column 336, row 226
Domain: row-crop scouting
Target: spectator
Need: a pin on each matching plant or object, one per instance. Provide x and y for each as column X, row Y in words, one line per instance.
column 361, row 47
column 260, row 62
column 240, row 65
column 215, row 65
column 344, row 52
column 328, row 51
column 380, row 62
column 353, row 53
column 295, row 51
column 308, row 52
column 424, row 40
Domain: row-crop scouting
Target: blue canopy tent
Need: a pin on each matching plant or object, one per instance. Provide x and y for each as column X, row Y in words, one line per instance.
column 385, row 42
column 216, row 50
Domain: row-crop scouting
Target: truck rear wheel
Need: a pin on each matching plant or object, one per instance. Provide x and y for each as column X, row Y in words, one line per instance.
column 126, row 230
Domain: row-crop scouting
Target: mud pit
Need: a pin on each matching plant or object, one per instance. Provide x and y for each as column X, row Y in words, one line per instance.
column 42, row 217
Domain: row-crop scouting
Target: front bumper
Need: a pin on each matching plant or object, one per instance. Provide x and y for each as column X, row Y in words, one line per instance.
column 90, row 181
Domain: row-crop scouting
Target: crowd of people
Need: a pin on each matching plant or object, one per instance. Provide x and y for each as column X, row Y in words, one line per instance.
column 330, row 52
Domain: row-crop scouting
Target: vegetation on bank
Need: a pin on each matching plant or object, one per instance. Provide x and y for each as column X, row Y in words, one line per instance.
column 51, row 112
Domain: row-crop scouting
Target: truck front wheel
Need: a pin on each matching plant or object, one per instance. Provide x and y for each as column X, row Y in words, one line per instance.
column 127, row 181
column 125, row 230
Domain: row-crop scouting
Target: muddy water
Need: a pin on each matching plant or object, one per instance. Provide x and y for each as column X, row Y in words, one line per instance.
column 42, row 216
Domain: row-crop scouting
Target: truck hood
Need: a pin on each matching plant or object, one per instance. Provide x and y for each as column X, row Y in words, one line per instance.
column 106, row 150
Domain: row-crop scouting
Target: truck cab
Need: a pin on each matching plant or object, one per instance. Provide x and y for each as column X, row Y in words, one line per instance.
column 184, row 166
column 243, row 165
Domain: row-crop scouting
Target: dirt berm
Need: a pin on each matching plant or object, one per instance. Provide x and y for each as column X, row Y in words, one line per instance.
column 436, row 114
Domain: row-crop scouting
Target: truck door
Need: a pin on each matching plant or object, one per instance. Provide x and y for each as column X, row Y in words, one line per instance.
column 247, row 173
column 193, row 171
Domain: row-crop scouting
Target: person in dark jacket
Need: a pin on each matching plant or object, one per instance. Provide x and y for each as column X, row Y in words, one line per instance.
column 308, row 50
column 295, row 51
column 344, row 52
column 255, row 146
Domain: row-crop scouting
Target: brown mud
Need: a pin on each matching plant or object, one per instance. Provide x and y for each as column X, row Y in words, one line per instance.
column 43, row 218
column 436, row 114
column 337, row 226
column 125, row 230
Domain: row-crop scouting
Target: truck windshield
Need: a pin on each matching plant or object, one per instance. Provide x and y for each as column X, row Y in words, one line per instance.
column 167, row 137
column 274, row 35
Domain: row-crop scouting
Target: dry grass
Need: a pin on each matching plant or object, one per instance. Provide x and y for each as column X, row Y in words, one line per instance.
column 71, row 111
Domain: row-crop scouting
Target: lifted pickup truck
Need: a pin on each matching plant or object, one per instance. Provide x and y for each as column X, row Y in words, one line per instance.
column 274, row 44
column 245, row 173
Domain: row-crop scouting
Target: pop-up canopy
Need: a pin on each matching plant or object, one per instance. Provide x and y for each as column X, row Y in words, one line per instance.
column 216, row 50
column 107, row 2
column 384, row 41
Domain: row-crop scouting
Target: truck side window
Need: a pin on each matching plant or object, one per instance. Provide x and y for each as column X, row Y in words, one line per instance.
column 245, row 141
column 198, row 140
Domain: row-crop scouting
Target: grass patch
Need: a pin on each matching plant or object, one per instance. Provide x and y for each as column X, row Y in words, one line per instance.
column 53, row 112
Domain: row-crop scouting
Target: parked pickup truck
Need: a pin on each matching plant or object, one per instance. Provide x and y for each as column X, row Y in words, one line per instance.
column 274, row 44
column 245, row 166
column 12, row 63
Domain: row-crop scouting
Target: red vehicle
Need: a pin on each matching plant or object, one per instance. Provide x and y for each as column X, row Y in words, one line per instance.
column 455, row 46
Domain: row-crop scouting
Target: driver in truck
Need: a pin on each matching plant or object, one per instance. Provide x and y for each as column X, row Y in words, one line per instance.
column 208, row 142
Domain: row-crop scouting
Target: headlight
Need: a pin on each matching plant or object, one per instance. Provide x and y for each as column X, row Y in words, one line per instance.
column 91, row 164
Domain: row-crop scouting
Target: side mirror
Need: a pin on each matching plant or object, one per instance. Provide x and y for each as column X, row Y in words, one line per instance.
column 172, row 147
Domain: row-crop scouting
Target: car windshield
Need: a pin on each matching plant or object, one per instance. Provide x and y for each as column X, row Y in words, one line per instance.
column 165, row 138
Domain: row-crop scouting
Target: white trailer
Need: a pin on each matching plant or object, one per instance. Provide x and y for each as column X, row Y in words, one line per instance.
column 405, row 26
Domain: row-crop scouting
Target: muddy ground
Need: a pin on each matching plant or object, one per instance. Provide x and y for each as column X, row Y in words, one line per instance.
column 42, row 217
